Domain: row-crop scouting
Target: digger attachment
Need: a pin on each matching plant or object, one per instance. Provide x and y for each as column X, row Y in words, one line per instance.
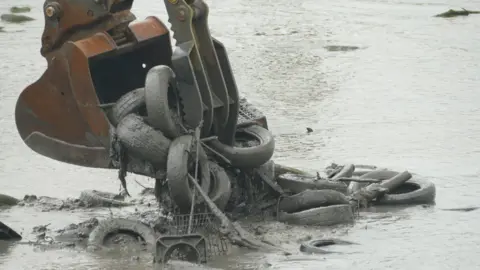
column 96, row 53
column 91, row 63
column 202, row 66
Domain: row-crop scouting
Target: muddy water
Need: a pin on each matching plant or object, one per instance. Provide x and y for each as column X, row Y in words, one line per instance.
column 406, row 99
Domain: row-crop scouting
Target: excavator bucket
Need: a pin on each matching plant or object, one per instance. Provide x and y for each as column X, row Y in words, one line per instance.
column 95, row 54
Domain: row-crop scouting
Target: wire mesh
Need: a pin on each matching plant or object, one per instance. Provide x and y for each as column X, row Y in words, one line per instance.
column 205, row 224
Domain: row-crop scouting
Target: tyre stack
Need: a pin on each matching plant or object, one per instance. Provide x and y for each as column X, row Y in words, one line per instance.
column 149, row 137
column 313, row 200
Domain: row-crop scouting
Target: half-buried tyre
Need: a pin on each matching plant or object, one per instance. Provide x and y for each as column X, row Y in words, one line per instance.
column 95, row 198
column 158, row 98
column 248, row 156
column 320, row 216
column 142, row 141
column 311, row 199
column 131, row 102
column 414, row 191
column 220, row 186
column 181, row 163
column 111, row 228
column 316, row 246
column 8, row 200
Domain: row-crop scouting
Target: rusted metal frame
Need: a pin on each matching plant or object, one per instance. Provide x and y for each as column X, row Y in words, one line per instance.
column 59, row 116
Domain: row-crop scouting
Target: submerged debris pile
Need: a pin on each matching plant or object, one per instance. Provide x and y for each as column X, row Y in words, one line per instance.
column 456, row 13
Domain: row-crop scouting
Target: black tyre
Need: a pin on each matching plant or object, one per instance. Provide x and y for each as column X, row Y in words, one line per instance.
column 109, row 227
column 414, row 191
column 315, row 246
column 95, row 198
column 129, row 103
column 321, row 216
column 181, row 162
column 311, row 199
column 220, row 186
column 142, row 141
column 252, row 156
column 158, row 81
column 297, row 183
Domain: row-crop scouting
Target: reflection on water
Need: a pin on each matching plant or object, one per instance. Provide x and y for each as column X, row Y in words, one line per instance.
column 407, row 99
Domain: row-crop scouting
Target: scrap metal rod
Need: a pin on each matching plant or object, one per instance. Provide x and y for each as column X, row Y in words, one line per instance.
column 192, row 208
column 233, row 230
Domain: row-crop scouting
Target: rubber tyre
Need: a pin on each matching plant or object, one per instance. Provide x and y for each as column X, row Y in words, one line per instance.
column 95, row 198
column 110, row 226
column 314, row 246
column 220, row 186
column 281, row 169
column 248, row 157
column 8, row 200
column 158, row 81
column 320, row 216
column 424, row 193
column 129, row 103
column 297, row 183
column 181, row 158
column 377, row 174
column 311, row 199
column 346, row 171
column 143, row 142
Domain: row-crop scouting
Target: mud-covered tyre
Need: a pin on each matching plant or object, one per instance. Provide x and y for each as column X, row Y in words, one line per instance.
column 8, row 200
column 129, row 103
column 95, row 198
column 414, row 191
column 315, row 246
column 181, row 162
column 320, row 216
column 248, row 157
column 311, row 199
column 297, row 183
column 158, row 81
column 106, row 228
column 282, row 169
column 220, row 186
column 346, row 171
column 142, row 141
column 380, row 174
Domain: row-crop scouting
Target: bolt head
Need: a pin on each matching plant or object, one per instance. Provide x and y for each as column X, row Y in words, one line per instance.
column 50, row 11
